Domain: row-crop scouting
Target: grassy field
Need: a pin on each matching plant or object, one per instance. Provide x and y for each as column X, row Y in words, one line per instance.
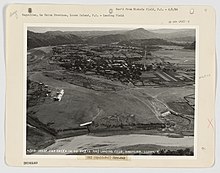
column 80, row 105
column 112, row 109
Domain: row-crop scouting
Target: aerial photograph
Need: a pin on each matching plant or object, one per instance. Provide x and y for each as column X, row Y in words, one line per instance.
column 110, row 91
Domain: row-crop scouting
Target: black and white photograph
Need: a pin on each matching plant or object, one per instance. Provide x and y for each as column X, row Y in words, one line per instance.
column 110, row 90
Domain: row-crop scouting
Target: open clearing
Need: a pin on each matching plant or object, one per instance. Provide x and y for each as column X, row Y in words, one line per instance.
column 80, row 105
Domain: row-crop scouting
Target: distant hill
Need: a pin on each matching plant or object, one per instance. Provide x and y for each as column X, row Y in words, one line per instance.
column 183, row 39
column 180, row 35
column 50, row 38
column 89, row 34
column 147, row 42
column 140, row 33
column 106, row 39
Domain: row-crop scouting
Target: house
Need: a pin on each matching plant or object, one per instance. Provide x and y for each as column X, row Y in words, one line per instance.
column 87, row 124
column 59, row 95
column 163, row 114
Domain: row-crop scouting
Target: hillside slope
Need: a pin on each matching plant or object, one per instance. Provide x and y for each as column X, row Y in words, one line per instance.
column 50, row 39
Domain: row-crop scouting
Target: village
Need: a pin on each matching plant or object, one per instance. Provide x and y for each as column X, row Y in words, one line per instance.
column 127, row 64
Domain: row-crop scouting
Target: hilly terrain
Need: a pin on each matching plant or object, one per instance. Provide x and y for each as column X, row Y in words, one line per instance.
column 185, row 35
column 107, row 39
column 51, row 38
column 135, row 34
column 89, row 34
column 140, row 33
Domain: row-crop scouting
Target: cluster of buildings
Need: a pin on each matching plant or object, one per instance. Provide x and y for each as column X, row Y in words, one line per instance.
column 124, row 63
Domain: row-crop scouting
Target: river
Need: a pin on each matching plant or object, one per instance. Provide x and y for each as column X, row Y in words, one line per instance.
column 88, row 142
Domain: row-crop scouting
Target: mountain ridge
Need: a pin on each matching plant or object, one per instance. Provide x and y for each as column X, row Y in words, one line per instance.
column 52, row 38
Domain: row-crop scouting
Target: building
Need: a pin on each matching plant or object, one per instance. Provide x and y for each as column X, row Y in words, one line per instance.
column 163, row 114
column 59, row 95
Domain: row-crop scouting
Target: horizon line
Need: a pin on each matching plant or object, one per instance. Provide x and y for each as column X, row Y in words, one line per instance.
column 95, row 29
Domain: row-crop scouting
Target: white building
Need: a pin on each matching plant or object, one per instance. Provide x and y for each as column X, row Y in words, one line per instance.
column 59, row 95
column 165, row 113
